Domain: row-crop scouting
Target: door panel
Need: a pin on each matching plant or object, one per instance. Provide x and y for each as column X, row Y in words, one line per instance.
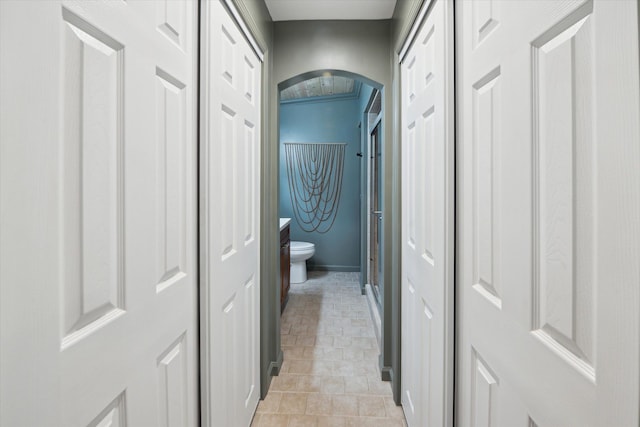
column 231, row 212
column 542, row 325
column 99, row 314
column 426, row 225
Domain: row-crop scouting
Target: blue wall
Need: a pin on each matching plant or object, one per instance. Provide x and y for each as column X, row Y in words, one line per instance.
column 333, row 120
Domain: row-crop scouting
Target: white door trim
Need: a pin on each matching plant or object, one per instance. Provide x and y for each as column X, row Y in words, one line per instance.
column 203, row 221
column 450, row 213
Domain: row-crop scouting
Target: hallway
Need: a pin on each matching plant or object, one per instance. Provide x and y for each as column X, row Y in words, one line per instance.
column 142, row 272
column 330, row 374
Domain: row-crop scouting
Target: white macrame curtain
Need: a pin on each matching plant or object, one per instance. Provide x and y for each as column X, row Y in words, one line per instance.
column 314, row 171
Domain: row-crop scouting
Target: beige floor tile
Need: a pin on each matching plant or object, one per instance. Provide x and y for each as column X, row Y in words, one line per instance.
column 380, row 422
column 333, row 385
column 314, row 352
column 299, row 329
column 356, row 331
column 332, row 353
column 356, row 385
column 303, row 421
column 309, row 383
column 371, row 369
column 273, row 420
column 324, row 340
column 330, row 376
column 294, row 352
column 284, row 382
column 349, row 368
column 306, row 340
column 332, row 422
column 377, row 386
column 324, row 367
column 393, row 410
column 293, row 403
column 342, row 342
column 300, row 366
column 271, row 403
column 352, row 354
column 371, row 406
column 371, row 353
column 318, row 404
column 344, row 405
column 330, row 330
column 288, row 340
column 310, row 319
column 364, row 343
column 359, row 322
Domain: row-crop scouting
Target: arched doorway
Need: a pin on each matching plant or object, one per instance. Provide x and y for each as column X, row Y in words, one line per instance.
column 340, row 106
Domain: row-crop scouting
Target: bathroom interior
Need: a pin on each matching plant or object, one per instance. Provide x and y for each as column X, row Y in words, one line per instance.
column 337, row 115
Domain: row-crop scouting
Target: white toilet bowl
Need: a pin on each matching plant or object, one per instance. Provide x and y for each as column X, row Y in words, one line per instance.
column 300, row 253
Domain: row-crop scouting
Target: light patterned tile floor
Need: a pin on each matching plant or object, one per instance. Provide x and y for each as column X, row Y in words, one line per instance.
column 330, row 374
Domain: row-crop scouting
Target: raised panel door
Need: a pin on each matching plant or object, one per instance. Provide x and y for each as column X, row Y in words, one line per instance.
column 230, row 211
column 98, row 279
column 549, row 208
column 427, row 223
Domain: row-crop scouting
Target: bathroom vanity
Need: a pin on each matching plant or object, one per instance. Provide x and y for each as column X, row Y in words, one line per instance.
column 285, row 259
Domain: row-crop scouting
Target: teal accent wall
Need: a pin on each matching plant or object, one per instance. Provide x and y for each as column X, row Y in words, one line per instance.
column 330, row 120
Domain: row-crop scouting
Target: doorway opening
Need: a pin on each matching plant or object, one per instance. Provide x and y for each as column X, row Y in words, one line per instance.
column 338, row 107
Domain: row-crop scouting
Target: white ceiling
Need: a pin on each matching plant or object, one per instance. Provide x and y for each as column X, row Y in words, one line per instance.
column 304, row 10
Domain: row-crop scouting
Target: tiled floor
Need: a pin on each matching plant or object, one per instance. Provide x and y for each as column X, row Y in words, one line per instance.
column 330, row 374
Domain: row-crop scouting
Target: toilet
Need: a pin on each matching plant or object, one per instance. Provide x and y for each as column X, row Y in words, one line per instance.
column 300, row 253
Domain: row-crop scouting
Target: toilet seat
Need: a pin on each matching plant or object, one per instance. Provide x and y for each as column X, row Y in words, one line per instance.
column 301, row 246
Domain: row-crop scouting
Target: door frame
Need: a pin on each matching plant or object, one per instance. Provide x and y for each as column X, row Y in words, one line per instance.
column 371, row 153
column 365, row 178
column 450, row 186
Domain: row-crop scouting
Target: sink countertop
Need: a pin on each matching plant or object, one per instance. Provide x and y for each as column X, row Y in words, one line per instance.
column 284, row 222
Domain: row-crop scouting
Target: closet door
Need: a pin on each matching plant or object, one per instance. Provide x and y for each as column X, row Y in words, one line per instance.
column 98, row 289
column 427, row 222
column 230, row 182
column 549, row 213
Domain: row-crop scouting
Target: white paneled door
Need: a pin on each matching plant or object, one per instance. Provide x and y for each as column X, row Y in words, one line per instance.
column 98, row 160
column 549, row 213
column 230, row 182
column 427, row 222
